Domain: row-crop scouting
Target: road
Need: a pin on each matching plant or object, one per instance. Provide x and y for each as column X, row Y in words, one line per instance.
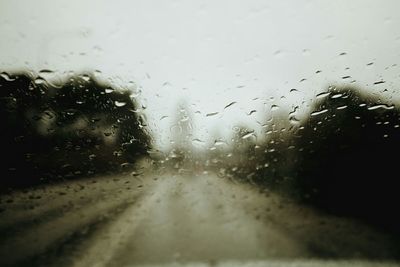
column 163, row 218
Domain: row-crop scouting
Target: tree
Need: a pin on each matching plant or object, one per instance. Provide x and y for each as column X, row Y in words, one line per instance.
column 347, row 160
column 80, row 128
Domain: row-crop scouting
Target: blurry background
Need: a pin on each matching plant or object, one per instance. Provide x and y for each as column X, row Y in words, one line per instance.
column 209, row 54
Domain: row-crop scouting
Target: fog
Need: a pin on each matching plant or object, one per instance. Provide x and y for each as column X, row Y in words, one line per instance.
column 209, row 54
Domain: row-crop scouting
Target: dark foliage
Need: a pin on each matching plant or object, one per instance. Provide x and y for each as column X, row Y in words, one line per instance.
column 347, row 158
column 82, row 127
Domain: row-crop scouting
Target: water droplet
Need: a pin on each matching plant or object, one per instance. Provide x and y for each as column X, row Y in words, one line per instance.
column 97, row 73
column 230, row 104
column 134, row 173
column 7, row 77
column 163, row 117
column 294, row 120
column 85, row 77
column 119, row 103
column 341, row 107
column 248, row 135
column 322, row 95
column 197, row 142
column 71, row 112
column 379, row 82
column 211, row 114
column 45, row 71
column 39, row 80
column 274, row 107
column 219, row 143
column 125, row 164
column 107, row 134
column 316, row 113
column 336, row 96
column 381, row 106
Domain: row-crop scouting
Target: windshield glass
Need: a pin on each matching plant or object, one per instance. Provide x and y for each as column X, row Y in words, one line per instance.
column 199, row 133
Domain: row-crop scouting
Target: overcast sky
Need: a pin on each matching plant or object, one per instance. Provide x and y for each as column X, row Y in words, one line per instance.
column 209, row 53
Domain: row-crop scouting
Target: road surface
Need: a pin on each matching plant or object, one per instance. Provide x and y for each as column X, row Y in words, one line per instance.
column 164, row 218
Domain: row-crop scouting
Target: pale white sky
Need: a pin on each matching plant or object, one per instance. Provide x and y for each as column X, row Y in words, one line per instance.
column 209, row 53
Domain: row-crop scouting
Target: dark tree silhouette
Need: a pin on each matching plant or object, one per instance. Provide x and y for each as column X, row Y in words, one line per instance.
column 347, row 157
column 82, row 127
column 276, row 157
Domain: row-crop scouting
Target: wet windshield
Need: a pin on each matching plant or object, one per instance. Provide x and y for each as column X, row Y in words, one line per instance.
column 201, row 133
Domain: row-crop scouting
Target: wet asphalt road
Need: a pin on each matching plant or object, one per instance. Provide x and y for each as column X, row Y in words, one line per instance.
column 169, row 219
